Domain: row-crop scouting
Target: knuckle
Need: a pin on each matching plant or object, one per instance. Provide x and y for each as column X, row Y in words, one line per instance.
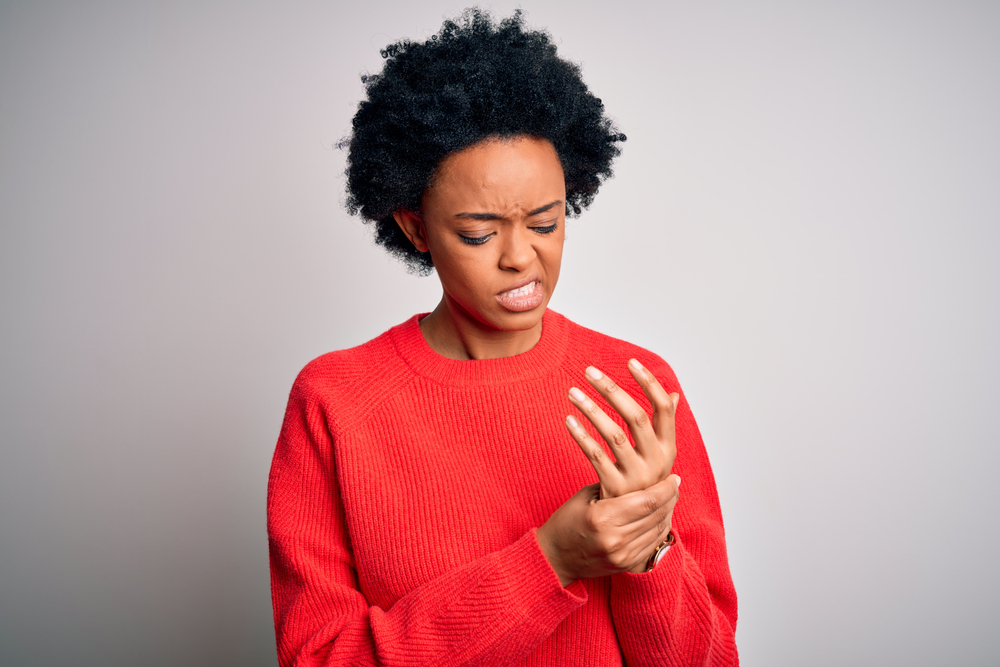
column 612, row 545
column 610, row 387
column 595, row 522
column 640, row 418
column 619, row 439
column 650, row 503
column 618, row 560
column 597, row 455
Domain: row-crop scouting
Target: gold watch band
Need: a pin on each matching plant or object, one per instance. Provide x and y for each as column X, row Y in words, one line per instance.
column 655, row 557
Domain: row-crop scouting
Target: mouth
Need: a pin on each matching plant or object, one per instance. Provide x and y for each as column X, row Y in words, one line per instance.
column 521, row 292
column 526, row 296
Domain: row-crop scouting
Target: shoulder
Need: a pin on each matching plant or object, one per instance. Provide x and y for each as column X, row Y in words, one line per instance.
column 587, row 347
column 358, row 376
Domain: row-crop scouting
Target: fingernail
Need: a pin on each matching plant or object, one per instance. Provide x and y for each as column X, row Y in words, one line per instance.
column 678, row 481
column 634, row 363
column 572, row 422
column 594, row 373
column 577, row 395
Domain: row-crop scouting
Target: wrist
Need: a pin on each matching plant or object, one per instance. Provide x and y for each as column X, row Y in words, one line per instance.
column 551, row 553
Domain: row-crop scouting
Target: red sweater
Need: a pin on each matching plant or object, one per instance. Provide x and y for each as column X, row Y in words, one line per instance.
column 404, row 497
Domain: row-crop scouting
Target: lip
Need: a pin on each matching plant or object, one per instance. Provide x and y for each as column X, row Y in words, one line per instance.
column 523, row 302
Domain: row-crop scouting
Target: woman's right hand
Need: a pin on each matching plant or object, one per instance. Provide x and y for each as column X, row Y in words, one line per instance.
column 590, row 536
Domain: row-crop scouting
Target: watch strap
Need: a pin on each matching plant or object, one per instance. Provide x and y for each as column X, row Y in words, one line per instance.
column 660, row 551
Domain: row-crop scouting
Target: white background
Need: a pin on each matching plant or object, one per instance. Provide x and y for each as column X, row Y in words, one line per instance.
column 804, row 222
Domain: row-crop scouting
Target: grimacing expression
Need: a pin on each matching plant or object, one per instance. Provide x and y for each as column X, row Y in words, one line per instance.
column 493, row 221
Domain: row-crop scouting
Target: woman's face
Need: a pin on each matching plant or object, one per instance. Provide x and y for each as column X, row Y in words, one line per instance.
column 493, row 221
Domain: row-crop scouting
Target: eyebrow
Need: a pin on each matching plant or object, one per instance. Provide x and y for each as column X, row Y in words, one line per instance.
column 497, row 216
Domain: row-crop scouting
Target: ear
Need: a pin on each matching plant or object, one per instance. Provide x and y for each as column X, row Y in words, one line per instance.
column 413, row 226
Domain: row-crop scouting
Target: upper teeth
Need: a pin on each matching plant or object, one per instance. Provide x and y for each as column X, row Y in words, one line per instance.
column 521, row 291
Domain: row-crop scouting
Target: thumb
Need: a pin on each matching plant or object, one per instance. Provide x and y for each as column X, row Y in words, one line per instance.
column 590, row 493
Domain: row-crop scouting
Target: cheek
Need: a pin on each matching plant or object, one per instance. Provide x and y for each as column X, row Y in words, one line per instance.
column 552, row 253
column 464, row 272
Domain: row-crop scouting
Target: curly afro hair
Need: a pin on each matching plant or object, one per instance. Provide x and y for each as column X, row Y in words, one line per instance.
column 474, row 80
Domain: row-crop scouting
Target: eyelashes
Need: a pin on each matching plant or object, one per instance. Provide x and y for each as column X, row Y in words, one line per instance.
column 480, row 240
column 475, row 240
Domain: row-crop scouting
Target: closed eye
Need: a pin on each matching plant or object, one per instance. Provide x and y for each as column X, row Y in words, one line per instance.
column 475, row 240
column 546, row 230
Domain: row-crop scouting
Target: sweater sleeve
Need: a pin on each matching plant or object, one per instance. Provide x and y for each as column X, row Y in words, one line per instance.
column 683, row 612
column 494, row 610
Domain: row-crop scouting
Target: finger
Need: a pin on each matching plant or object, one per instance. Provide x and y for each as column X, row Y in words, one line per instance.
column 649, row 542
column 642, row 511
column 664, row 404
column 652, row 527
column 589, row 493
column 607, row 472
column 657, row 522
column 655, row 536
column 613, row 434
column 625, row 540
column 661, row 401
column 631, row 543
column 634, row 415
column 633, row 554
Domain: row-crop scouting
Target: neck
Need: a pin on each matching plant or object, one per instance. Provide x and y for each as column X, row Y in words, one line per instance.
column 453, row 333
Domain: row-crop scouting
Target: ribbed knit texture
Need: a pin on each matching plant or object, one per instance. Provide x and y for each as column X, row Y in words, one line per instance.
column 405, row 494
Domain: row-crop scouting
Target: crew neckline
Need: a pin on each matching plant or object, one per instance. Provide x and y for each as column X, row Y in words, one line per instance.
column 546, row 355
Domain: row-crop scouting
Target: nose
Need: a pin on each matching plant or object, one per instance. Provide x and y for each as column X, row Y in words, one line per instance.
column 517, row 252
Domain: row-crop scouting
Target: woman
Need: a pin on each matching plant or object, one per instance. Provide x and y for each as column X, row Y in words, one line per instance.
column 428, row 502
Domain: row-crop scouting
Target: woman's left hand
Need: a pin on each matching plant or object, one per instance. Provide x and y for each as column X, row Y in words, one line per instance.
column 652, row 458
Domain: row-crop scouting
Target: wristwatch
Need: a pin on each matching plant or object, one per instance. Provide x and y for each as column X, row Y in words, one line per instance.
column 660, row 552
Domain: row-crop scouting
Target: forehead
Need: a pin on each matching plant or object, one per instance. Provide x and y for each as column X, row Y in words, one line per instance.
column 503, row 176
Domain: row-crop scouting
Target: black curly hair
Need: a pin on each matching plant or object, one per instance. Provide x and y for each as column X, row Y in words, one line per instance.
column 474, row 80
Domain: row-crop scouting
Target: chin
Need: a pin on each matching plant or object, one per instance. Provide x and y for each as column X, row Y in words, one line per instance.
column 506, row 320
column 493, row 315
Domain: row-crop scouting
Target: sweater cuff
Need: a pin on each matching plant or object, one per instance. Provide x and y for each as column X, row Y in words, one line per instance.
column 667, row 615
column 537, row 568
column 648, row 587
column 535, row 601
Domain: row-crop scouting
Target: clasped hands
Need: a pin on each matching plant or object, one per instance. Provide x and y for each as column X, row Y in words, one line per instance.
column 615, row 525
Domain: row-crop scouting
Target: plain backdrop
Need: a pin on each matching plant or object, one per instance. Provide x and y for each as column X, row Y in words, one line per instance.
column 804, row 222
